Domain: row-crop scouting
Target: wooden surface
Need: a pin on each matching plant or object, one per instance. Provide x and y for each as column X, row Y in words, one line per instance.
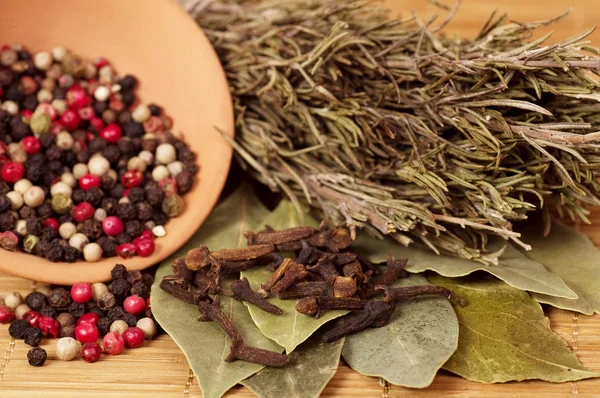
column 160, row 369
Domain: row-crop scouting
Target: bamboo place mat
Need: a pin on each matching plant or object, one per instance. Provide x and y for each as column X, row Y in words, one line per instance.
column 160, row 369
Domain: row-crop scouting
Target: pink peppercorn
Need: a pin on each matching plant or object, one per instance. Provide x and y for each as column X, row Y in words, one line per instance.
column 153, row 125
column 81, row 292
column 28, row 85
column 113, row 343
column 112, row 226
column 6, row 314
column 48, row 110
column 52, row 223
column 134, row 337
column 91, row 352
column 49, row 326
column 126, row 250
column 147, row 234
column 90, row 317
column 89, row 181
column 134, row 304
column 97, row 123
column 86, row 333
column 100, row 62
column 56, row 127
column 70, row 119
column 148, row 306
column 77, row 98
column 12, row 171
column 132, row 179
column 31, row 144
column 112, row 133
column 145, row 247
column 33, row 319
column 83, row 211
column 86, row 113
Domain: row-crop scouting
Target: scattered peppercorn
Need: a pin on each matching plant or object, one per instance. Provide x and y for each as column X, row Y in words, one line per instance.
column 17, row 329
column 37, row 356
column 33, row 336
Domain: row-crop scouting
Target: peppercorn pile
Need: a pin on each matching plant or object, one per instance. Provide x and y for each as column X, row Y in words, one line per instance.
column 325, row 275
column 86, row 169
column 119, row 313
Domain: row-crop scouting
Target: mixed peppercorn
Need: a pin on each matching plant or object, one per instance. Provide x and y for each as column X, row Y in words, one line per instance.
column 119, row 313
column 87, row 171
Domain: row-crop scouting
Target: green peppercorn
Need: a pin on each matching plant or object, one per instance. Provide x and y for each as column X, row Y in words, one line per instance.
column 61, row 203
column 29, row 243
column 172, row 205
column 40, row 123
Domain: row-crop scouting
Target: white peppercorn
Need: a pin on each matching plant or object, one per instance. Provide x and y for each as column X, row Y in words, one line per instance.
column 159, row 231
column 148, row 327
column 159, row 173
column 112, row 174
column 79, row 170
column 34, row 197
column 64, row 140
column 105, row 74
column 44, row 96
column 146, row 156
column 61, row 187
column 98, row 165
column 59, row 105
column 22, row 186
column 43, row 288
column 17, row 153
column 119, row 326
column 98, row 289
column 16, row 199
column 42, row 60
column 21, row 227
column 124, row 200
column 141, row 113
column 92, row 252
column 10, row 107
column 136, row 163
column 78, row 241
column 21, row 310
column 100, row 214
column 175, row 168
column 68, row 179
column 102, row 93
column 165, row 154
column 67, row 230
column 13, row 300
column 58, row 53
column 67, row 348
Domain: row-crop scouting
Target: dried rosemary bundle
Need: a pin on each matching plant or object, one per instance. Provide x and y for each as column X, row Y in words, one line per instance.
column 389, row 126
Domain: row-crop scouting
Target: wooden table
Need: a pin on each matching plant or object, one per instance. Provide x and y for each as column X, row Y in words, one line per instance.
column 160, row 368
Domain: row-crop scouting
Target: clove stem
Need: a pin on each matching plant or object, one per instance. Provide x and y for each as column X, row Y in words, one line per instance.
column 242, row 291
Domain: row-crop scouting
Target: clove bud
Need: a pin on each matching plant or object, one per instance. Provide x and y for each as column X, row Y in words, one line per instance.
column 314, row 306
column 242, row 291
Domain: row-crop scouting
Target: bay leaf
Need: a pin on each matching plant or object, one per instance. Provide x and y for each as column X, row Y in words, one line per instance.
column 572, row 256
column 412, row 347
column 504, row 336
column 311, row 367
column 292, row 328
column 514, row 268
column 204, row 344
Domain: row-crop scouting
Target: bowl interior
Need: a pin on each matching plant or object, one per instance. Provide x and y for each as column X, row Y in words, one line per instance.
column 156, row 41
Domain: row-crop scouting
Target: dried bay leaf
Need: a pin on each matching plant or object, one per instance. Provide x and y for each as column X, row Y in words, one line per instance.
column 412, row 347
column 572, row 256
column 204, row 343
column 311, row 367
column 504, row 336
column 292, row 328
column 514, row 268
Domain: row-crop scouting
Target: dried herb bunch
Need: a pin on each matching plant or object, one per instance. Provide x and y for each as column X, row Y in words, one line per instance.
column 389, row 126
column 324, row 275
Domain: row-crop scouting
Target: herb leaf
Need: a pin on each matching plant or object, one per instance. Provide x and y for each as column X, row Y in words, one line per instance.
column 572, row 256
column 408, row 351
column 291, row 328
column 514, row 268
column 504, row 336
column 204, row 343
column 311, row 367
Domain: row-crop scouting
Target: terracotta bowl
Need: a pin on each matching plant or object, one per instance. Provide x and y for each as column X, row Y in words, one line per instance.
column 177, row 68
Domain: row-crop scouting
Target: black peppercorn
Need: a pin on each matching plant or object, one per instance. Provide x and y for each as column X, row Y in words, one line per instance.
column 41, row 248
column 128, row 98
column 120, row 288
column 48, row 311
column 184, row 180
column 147, row 279
column 123, row 238
column 36, row 300
column 55, row 252
column 150, row 145
column 83, row 156
column 59, row 298
column 115, row 313
column 159, row 218
column 97, row 145
column 134, row 276
column 108, row 183
column 94, row 195
column 103, row 326
column 17, row 329
column 33, row 173
column 91, row 228
column 30, row 102
column 71, row 254
column 155, row 110
column 77, row 309
column 67, row 331
column 49, row 234
column 109, row 205
column 126, row 147
column 99, row 107
column 130, row 319
column 55, row 166
column 117, row 192
column 47, row 139
column 126, row 211
column 133, row 227
column 35, row 226
column 112, row 153
column 65, row 218
column 128, row 83
column 144, row 211
column 26, row 212
column 8, row 220
column 44, row 211
column 119, row 272
column 133, row 130
column 19, row 130
column 136, row 194
column 140, row 289
column 4, row 188
column 5, row 203
column 78, row 196
column 107, row 301
column 109, row 247
column 54, row 153
column 59, row 93
column 33, row 336
column 37, row 356
column 97, row 310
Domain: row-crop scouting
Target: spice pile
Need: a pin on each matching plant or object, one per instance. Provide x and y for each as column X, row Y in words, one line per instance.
column 325, row 275
column 86, row 169
column 118, row 313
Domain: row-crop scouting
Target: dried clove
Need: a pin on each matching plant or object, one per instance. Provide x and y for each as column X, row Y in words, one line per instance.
column 332, row 239
column 233, row 267
column 309, row 255
column 202, row 257
column 242, row 291
column 325, row 268
column 394, row 271
column 314, row 306
column 239, row 350
column 375, row 314
column 354, row 270
column 205, row 282
column 176, row 290
column 395, row 295
column 295, row 273
column 179, row 268
column 197, row 258
column 276, row 276
column 279, row 237
column 344, row 286
column 306, row 289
